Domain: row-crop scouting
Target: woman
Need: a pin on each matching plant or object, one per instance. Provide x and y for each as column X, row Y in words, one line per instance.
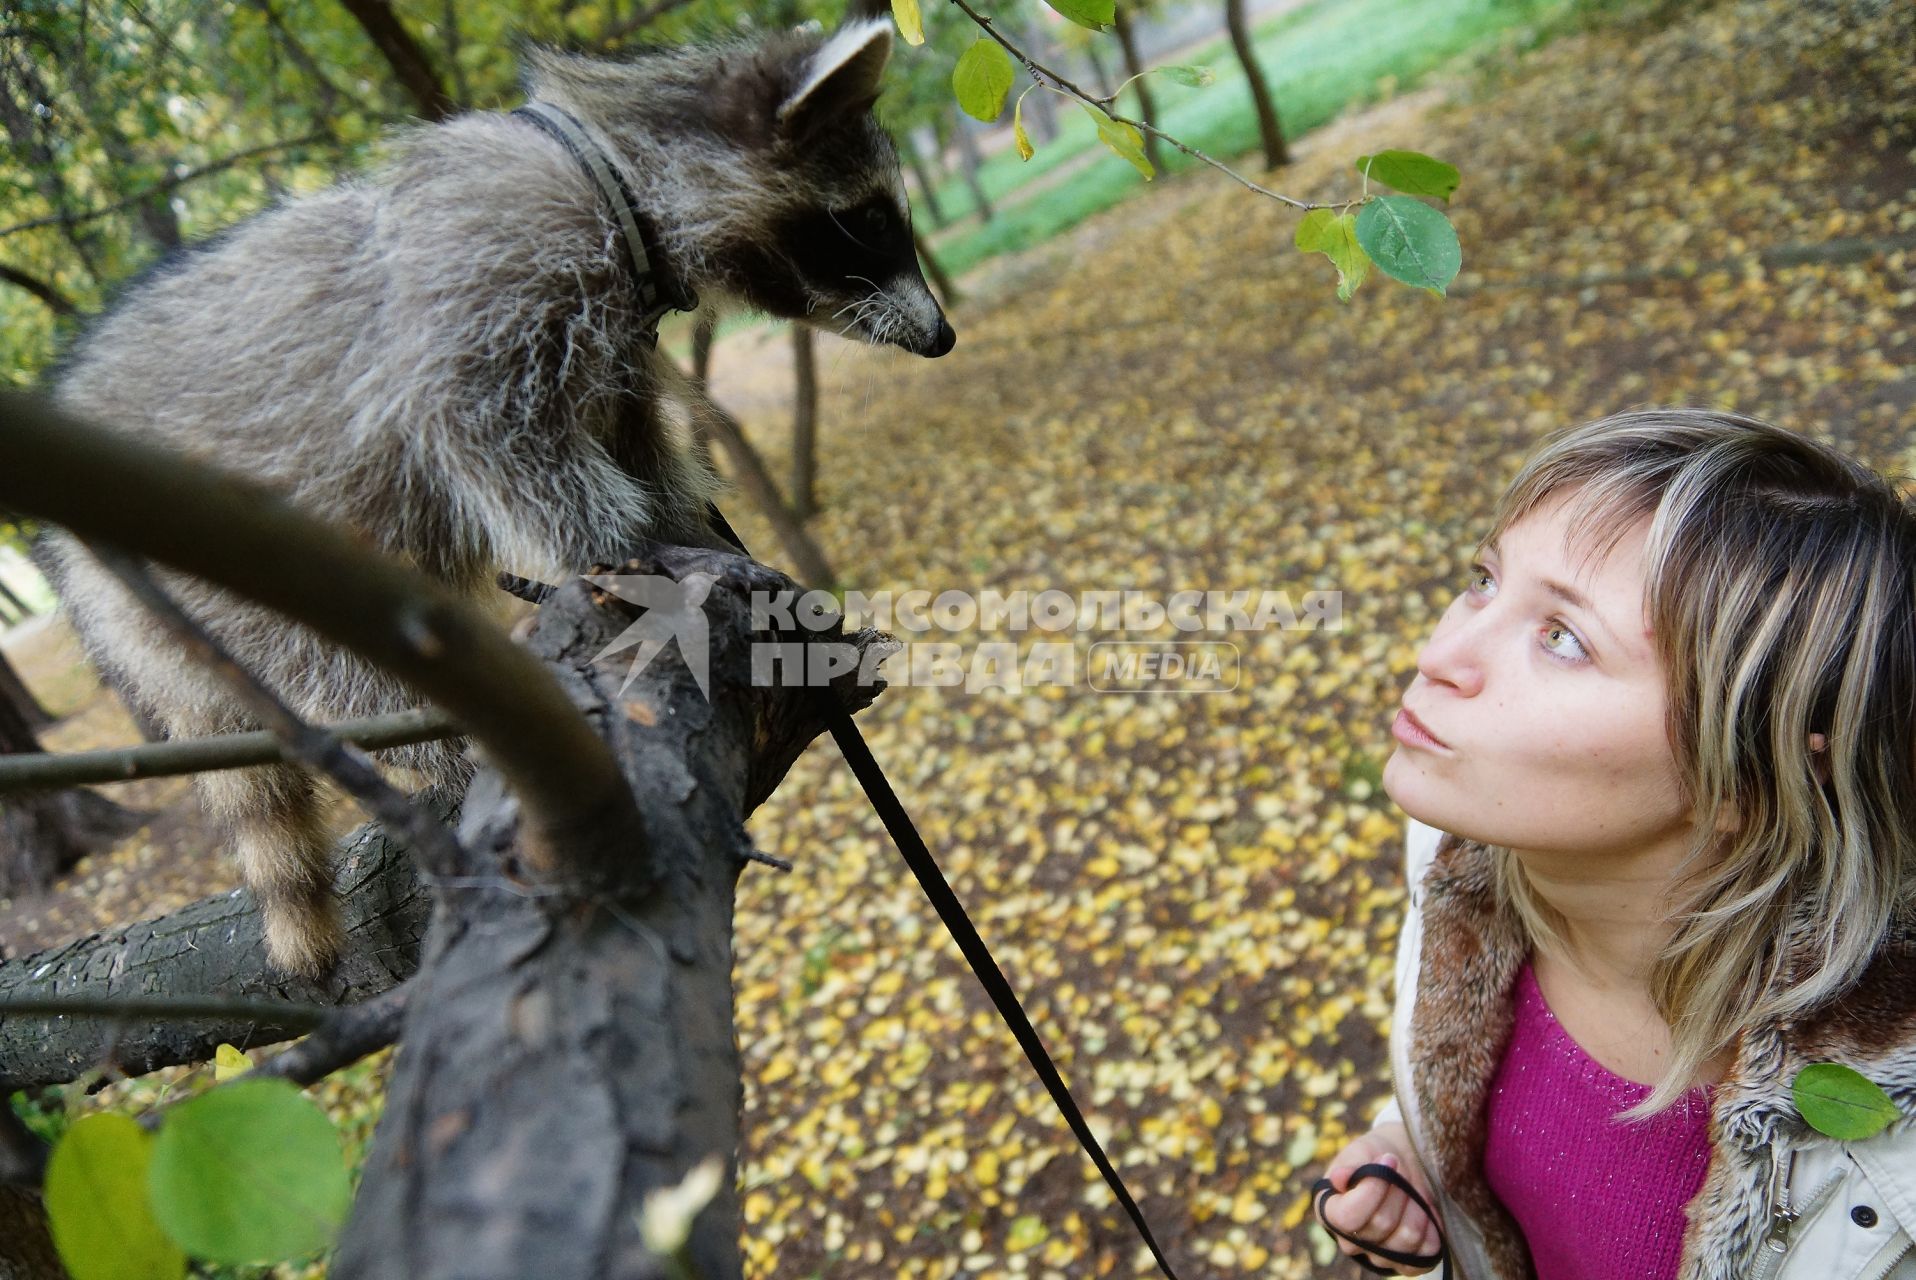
column 1667, row 735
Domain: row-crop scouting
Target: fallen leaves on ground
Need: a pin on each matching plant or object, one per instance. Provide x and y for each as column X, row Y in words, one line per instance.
column 1198, row 896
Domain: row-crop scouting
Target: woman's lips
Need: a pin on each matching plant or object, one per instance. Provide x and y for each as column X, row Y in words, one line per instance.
column 1410, row 731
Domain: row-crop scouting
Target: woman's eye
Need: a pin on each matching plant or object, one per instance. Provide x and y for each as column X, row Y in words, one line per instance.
column 1577, row 652
column 1478, row 572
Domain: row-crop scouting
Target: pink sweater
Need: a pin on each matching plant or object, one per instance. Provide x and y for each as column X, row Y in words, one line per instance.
column 1597, row 1199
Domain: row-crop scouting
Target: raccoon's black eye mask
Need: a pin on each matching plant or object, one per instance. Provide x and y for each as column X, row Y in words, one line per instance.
column 872, row 226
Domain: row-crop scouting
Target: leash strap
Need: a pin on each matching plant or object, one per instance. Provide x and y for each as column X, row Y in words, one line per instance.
column 658, row 292
column 1323, row 1189
column 851, row 744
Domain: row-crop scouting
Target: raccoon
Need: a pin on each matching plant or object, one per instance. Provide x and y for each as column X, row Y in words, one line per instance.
column 449, row 355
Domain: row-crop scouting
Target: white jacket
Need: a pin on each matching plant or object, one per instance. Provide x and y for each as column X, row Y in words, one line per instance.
column 1779, row 1202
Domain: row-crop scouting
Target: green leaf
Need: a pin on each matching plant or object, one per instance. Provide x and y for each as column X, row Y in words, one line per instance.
column 97, row 1206
column 1098, row 15
column 1121, row 138
column 1018, row 134
column 1411, row 242
column 1323, row 231
column 1410, row 172
column 911, row 23
column 982, row 78
column 250, row 1172
column 1837, row 1101
column 1196, row 77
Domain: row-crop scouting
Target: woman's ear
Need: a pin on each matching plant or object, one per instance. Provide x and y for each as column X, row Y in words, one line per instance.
column 1819, row 757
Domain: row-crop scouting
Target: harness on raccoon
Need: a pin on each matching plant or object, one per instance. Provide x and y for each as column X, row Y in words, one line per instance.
column 659, row 293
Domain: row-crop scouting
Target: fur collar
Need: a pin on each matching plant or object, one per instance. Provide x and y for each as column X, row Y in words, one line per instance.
column 1462, row 1020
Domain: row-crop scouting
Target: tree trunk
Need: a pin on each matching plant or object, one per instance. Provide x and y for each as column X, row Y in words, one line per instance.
column 25, row 706
column 1044, row 109
column 753, row 476
column 44, row 833
column 804, row 424
column 947, row 291
column 1134, row 66
column 908, row 143
column 1100, row 78
column 1270, row 133
column 704, row 329
column 968, row 162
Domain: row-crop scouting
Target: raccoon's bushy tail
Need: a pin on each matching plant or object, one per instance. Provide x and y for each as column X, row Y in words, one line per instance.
column 276, row 825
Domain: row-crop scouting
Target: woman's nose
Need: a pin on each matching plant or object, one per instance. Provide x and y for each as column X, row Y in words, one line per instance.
column 1450, row 656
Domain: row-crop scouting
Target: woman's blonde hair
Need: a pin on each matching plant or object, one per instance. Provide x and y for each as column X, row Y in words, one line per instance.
column 1781, row 592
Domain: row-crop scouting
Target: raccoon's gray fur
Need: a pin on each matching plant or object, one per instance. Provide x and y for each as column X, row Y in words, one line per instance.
column 446, row 355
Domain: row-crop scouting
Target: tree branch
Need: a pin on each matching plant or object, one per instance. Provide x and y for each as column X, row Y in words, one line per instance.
column 115, row 489
column 1049, row 79
column 311, row 745
column 409, row 63
column 57, row 302
column 203, row 755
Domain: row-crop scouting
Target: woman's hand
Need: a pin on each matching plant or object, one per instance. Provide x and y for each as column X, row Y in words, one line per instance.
column 1374, row 1211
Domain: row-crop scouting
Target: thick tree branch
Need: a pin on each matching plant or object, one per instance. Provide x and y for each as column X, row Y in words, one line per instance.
column 124, row 492
column 409, row 63
column 57, row 302
column 213, row 950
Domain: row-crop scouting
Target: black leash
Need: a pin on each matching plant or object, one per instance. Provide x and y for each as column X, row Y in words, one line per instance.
column 851, row 744
column 1323, row 1189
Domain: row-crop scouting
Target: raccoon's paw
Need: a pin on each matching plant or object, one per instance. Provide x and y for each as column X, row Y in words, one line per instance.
column 304, row 941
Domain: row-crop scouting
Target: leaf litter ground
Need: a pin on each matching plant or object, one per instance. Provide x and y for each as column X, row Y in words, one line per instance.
column 1198, row 895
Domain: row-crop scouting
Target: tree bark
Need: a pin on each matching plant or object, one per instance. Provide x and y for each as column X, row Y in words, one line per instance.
column 1141, row 85
column 804, row 423
column 1270, row 133
column 410, row 65
column 213, row 949
column 571, row 1047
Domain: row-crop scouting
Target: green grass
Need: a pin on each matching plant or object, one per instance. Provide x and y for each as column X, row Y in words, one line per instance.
column 1318, row 60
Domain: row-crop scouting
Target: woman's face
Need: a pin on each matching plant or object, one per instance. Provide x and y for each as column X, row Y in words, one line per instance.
column 1550, row 711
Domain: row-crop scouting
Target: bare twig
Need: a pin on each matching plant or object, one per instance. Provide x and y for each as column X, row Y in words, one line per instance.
column 525, row 588
column 347, row 1035
column 311, row 745
column 1049, row 79
column 203, row 755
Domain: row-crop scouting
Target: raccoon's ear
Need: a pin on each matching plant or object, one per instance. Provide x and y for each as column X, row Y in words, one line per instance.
column 841, row 79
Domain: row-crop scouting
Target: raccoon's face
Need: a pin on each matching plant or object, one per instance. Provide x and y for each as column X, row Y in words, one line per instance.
column 819, row 231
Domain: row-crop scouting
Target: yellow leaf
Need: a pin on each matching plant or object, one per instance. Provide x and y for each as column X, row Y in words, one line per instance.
column 911, row 23
column 1026, row 1233
column 1018, row 134
column 229, row 1064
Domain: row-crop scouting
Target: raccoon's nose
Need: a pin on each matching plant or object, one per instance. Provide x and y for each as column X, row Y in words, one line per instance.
column 945, row 341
